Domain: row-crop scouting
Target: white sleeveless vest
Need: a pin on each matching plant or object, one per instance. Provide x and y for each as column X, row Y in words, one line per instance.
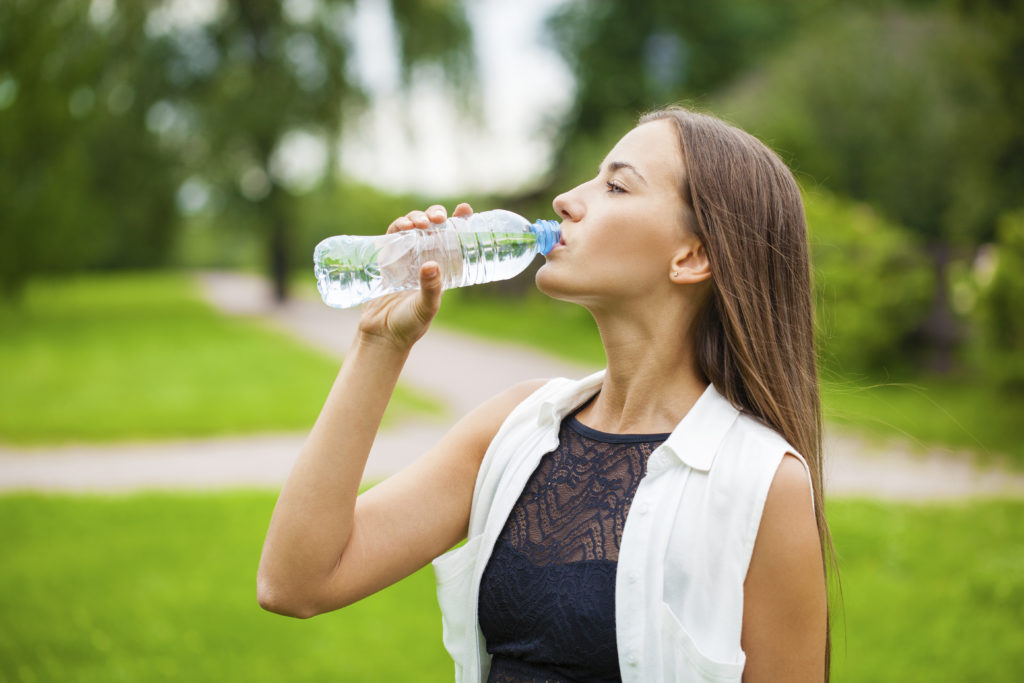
column 686, row 544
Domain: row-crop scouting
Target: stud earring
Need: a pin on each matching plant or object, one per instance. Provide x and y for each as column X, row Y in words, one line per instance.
column 675, row 274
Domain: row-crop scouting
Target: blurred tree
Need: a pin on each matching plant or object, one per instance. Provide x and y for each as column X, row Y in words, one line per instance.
column 999, row 277
column 899, row 109
column 258, row 73
column 82, row 183
column 1002, row 22
column 110, row 112
column 631, row 57
column 859, row 260
column 999, row 267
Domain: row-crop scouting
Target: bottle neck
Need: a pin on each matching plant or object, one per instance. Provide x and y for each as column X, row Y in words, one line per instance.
column 548, row 235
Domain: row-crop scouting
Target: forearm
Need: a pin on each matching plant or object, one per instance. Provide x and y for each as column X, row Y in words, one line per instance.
column 314, row 515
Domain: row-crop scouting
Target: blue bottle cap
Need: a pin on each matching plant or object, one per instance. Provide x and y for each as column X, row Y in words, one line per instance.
column 548, row 235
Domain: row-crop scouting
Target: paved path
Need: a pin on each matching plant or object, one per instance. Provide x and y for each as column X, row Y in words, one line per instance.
column 460, row 370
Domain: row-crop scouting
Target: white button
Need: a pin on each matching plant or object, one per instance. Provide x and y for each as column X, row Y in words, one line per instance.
column 645, row 508
column 634, row 577
column 632, row 658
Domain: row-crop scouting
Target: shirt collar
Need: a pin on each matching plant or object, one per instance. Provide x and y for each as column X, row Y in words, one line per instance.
column 695, row 439
column 566, row 398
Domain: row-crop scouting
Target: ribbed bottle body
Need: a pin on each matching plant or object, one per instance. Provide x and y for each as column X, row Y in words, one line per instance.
column 484, row 247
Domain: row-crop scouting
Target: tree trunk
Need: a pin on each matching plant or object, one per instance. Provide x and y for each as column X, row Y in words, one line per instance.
column 940, row 328
column 278, row 241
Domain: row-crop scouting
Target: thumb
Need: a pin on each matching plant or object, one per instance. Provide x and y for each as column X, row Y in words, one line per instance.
column 429, row 300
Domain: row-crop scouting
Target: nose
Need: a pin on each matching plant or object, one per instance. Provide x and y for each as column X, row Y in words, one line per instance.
column 568, row 205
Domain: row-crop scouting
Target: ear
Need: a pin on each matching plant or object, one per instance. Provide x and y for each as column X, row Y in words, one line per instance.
column 690, row 263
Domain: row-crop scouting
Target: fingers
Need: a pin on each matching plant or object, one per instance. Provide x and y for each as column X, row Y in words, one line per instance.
column 398, row 224
column 434, row 215
column 437, row 214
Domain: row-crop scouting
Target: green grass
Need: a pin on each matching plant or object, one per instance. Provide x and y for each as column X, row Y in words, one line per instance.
column 932, row 593
column 140, row 356
column 561, row 329
column 161, row 587
column 959, row 414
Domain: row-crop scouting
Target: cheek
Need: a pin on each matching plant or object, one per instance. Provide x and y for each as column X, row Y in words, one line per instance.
column 641, row 251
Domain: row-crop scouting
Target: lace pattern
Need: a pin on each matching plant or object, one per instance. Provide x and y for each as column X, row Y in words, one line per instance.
column 547, row 596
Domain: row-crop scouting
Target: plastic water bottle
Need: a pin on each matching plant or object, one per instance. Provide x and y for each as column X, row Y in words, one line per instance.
column 481, row 247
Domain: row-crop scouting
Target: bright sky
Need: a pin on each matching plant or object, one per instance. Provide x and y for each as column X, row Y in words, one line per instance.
column 432, row 149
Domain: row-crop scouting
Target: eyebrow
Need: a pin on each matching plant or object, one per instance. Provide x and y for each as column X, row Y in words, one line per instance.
column 619, row 165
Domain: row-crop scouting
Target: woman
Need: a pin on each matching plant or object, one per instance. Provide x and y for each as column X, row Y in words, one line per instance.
column 660, row 520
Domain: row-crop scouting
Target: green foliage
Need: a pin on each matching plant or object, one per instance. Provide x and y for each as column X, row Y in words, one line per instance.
column 907, row 110
column 209, row 240
column 346, row 207
column 434, row 32
column 631, row 57
column 162, row 588
column 896, row 108
column 873, row 285
column 999, row 313
column 82, row 183
column 352, row 208
column 106, row 108
column 132, row 356
column 1003, row 26
column 259, row 72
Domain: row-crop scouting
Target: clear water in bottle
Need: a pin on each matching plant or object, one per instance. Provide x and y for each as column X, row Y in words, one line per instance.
column 483, row 247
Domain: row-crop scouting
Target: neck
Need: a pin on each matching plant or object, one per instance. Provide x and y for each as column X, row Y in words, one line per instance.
column 652, row 379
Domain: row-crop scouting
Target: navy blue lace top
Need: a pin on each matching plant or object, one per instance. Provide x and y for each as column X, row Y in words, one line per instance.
column 547, row 596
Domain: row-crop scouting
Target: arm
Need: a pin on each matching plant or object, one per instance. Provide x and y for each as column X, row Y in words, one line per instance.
column 325, row 547
column 784, row 612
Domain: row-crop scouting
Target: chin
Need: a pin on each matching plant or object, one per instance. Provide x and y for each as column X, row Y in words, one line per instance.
column 546, row 281
column 554, row 286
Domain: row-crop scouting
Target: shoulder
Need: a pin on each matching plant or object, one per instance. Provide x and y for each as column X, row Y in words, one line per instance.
column 765, row 480
column 784, row 591
column 782, row 471
column 749, row 457
column 757, row 436
column 791, row 481
column 789, row 506
column 788, row 549
column 502, row 404
column 484, row 422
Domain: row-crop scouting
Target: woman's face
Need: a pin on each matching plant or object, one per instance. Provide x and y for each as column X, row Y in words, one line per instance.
column 622, row 230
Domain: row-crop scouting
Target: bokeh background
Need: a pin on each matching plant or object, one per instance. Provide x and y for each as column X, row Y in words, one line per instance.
column 143, row 142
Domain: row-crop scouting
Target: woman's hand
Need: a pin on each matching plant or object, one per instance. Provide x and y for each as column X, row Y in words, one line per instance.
column 402, row 318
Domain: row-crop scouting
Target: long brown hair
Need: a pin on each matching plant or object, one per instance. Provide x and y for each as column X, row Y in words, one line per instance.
column 755, row 334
